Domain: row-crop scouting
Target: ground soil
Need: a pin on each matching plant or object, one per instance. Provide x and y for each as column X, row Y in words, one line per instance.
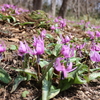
column 11, row 35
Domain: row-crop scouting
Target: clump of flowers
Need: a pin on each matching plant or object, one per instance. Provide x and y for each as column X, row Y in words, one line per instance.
column 12, row 9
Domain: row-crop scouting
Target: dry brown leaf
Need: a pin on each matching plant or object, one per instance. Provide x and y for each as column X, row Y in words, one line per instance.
column 14, row 39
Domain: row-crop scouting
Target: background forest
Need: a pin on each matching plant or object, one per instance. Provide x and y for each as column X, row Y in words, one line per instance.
column 62, row 8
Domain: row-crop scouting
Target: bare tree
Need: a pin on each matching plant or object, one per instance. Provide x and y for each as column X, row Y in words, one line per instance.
column 37, row 4
column 53, row 7
column 63, row 9
column 78, row 9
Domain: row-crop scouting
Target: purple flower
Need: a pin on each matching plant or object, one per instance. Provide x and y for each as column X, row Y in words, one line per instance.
column 29, row 50
column 59, row 17
column 53, row 27
column 60, row 67
column 35, row 41
column 65, row 40
column 6, row 6
column 56, row 20
column 39, row 45
column 95, row 47
column 67, row 51
column 97, row 33
column 81, row 46
column 95, row 56
column 43, row 33
column 79, row 49
column 2, row 47
column 62, row 23
column 39, row 49
column 17, row 12
column 87, row 24
column 24, row 48
column 91, row 34
column 3, row 9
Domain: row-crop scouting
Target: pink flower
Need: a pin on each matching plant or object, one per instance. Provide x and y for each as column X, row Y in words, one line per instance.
column 95, row 56
column 91, row 34
column 81, row 46
column 60, row 67
column 56, row 20
column 62, row 23
column 7, row 6
column 3, row 9
column 39, row 45
column 97, row 33
column 17, row 12
column 64, row 40
column 95, row 47
column 39, row 49
column 24, row 48
column 67, row 51
column 29, row 50
column 43, row 33
column 35, row 41
column 67, row 39
column 2, row 47
column 53, row 28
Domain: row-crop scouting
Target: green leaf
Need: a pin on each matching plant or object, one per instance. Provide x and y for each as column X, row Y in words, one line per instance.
column 27, row 71
column 65, row 84
column 13, row 47
column 45, row 89
column 72, row 74
column 47, row 69
column 26, row 23
column 48, row 51
column 73, row 59
column 95, row 69
column 50, row 73
column 51, row 44
column 49, row 36
column 16, row 24
column 56, row 51
column 14, row 19
column 53, row 92
column 43, row 63
column 9, row 18
column 93, row 76
column 57, row 30
column 1, row 16
column 83, row 69
column 4, row 76
column 78, row 80
column 17, row 81
column 25, row 93
column 42, row 24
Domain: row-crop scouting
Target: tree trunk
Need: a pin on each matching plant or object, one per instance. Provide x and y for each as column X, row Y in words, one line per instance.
column 78, row 9
column 53, row 7
column 63, row 9
column 87, row 7
column 37, row 4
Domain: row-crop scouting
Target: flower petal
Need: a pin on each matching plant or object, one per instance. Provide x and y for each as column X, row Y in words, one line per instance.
column 65, row 73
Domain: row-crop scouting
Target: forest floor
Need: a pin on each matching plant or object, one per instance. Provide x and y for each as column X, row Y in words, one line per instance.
column 11, row 35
